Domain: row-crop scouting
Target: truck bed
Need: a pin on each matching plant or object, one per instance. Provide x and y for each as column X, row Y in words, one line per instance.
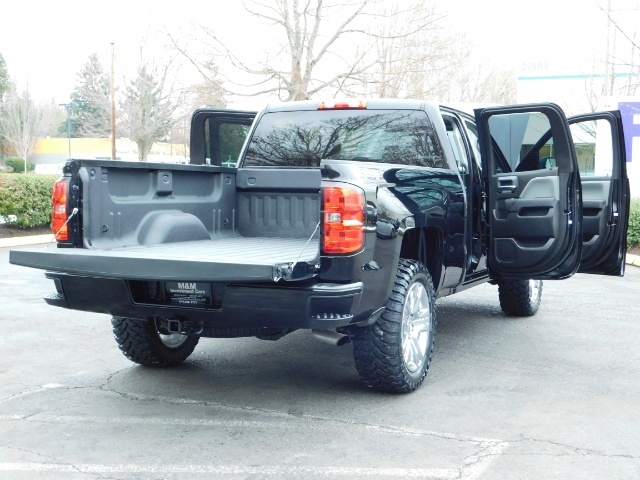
column 227, row 259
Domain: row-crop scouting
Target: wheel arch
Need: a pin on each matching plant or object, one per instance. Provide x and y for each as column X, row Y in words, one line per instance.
column 425, row 244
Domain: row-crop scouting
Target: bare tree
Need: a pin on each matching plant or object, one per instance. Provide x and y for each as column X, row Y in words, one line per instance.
column 52, row 115
column 4, row 86
column 475, row 83
column 150, row 101
column 390, row 48
column 419, row 58
column 208, row 93
column 322, row 45
column 622, row 51
column 415, row 55
column 616, row 70
column 20, row 123
column 4, row 78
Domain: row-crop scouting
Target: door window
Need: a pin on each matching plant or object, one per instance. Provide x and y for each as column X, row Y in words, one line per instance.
column 523, row 142
column 594, row 150
column 227, row 136
column 472, row 132
column 455, row 140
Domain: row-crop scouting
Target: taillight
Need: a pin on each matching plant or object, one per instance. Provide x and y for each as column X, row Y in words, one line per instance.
column 343, row 220
column 59, row 215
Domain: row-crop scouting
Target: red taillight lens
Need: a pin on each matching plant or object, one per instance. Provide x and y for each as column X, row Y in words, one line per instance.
column 343, row 220
column 59, row 215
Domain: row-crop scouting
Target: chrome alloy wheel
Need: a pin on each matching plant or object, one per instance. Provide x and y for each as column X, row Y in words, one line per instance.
column 535, row 288
column 416, row 327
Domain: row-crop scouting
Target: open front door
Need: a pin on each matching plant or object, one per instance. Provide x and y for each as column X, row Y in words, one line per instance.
column 533, row 192
column 599, row 143
column 217, row 136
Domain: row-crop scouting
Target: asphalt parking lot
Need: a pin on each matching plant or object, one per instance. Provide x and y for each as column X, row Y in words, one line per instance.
column 553, row 396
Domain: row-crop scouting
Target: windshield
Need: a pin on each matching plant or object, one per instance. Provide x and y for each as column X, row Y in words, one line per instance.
column 304, row 138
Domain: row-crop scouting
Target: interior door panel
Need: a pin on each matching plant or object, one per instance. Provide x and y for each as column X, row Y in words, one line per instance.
column 527, row 243
column 596, row 212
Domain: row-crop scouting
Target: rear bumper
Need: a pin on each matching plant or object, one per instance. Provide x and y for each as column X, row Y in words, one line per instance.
column 284, row 305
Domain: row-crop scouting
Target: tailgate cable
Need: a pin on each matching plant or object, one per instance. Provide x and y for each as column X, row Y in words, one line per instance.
column 305, row 247
column 73, row 212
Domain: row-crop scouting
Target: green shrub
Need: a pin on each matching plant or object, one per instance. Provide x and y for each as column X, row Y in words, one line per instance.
column 633, row 235
column 18, row 164
column 28, row 197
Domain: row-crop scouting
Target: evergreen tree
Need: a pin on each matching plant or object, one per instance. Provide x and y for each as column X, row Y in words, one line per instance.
column 90, row 114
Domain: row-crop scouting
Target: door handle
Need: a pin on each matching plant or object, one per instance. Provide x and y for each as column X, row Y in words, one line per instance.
column 507, row 184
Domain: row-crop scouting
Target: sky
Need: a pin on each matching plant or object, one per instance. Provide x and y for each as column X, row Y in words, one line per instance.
column 46, row 43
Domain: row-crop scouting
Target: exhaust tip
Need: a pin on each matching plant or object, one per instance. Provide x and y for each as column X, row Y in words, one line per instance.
column 331, row 337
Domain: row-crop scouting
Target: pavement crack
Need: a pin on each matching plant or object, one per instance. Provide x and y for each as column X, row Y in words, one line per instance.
column 46, row 458
column 398, row 430
column 475, row 465
column 571, row 450
column 21, row 394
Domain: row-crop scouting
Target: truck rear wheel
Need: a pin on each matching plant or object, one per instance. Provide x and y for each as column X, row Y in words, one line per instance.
column 141, row 342
column 520, row 298
column 394, row 353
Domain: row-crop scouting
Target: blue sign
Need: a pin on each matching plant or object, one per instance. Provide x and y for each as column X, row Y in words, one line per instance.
column 630, row 111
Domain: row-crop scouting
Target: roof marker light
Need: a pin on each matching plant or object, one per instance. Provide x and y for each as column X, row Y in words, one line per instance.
column 342, row 104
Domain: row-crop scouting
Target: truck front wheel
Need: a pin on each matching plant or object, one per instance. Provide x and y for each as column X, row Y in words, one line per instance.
column 394, row 353
column 142, row 342
column 520, row 298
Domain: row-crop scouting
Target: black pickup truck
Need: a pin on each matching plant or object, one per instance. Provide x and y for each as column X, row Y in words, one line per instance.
column 347, row 218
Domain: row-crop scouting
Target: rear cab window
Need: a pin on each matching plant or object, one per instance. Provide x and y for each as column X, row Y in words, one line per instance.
column 306, row 138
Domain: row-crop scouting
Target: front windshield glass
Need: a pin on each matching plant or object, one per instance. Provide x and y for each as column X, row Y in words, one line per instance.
column 304, row 138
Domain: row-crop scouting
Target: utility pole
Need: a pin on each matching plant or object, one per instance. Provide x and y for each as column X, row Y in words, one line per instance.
column 607, row 87
column 113, row 104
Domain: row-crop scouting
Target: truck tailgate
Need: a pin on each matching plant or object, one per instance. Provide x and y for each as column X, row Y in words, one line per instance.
column 229, row 259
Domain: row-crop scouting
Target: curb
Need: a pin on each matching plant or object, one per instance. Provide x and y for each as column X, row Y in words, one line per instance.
column 633, row 260
column 40, row 239
column 24, row 241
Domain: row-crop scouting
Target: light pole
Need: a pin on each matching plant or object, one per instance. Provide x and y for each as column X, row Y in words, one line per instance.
column 67, row 107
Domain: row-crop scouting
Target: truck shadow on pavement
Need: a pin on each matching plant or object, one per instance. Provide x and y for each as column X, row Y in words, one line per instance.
column 223, row 370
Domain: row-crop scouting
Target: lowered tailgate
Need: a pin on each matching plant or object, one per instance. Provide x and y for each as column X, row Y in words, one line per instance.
column 229, row 259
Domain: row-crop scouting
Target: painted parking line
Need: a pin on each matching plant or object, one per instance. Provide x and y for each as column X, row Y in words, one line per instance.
column 486, row 450
column 469, row 472
column 230, row 470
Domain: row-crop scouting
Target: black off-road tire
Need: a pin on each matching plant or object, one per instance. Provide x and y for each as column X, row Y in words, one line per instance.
column 394, row 353
column 140, row 341
column 520, row 298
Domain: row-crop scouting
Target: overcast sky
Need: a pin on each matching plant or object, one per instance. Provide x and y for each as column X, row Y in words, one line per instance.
column 46, row 43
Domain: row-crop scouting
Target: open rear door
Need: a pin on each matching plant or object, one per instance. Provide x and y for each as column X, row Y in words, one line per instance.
column 533, row 192
column 599, row 143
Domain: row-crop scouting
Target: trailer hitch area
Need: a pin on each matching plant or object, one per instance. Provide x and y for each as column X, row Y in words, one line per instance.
column 294, row 271
column 175, row 325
